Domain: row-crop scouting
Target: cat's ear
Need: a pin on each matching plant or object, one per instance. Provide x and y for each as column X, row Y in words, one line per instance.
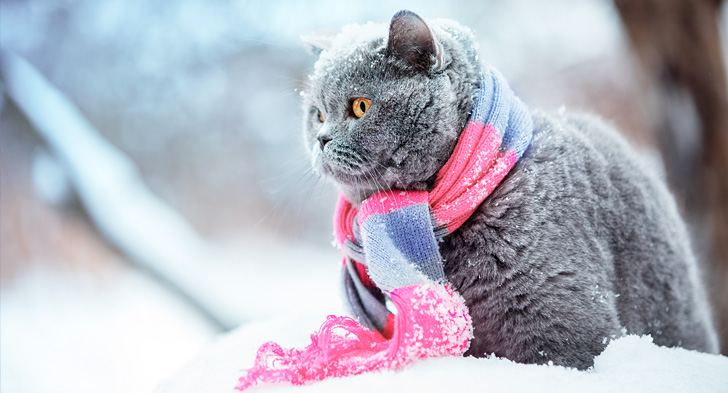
column 411, row 40
column 316, row 43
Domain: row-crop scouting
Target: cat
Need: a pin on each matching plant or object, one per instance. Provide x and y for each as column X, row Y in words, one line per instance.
column 579, row 244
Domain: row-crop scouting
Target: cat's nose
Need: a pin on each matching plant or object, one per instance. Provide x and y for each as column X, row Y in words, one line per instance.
column 323, row 140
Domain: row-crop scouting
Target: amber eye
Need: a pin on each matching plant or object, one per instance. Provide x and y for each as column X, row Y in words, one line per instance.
column 361, row 106
column 320, row 116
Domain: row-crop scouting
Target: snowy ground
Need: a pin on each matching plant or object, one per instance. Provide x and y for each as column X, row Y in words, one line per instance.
column 629, row 364
column 111, row 331
column 115, row 329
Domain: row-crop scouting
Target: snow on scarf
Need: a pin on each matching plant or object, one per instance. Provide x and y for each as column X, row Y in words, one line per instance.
column 391, row 249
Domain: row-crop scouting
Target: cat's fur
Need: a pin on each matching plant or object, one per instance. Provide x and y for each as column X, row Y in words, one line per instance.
column 579, row 244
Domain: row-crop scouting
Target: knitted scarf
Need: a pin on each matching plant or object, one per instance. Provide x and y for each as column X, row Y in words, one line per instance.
column 390, row 250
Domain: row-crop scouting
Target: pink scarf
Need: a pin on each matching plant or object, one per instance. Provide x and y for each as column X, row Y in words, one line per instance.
column 431, row 319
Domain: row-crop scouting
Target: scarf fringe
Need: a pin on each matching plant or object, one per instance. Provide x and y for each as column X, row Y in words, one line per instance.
column 431, row 321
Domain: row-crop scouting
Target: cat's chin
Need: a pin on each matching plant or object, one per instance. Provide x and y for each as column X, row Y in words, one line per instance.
column 359, row 188
column 355, row 196
column 362, row 184
column 355, row 188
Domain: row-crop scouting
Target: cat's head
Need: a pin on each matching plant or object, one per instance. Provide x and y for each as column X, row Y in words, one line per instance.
column 384, row 106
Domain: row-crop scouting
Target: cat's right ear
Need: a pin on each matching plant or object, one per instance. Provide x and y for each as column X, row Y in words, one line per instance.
column 411, row 40
column 316, row 43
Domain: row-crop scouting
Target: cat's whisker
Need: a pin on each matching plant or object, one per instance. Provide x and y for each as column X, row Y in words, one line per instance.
column 358, row 186
column 374, row 182
column 402, row 184
column 308, row 175
column 378, row 184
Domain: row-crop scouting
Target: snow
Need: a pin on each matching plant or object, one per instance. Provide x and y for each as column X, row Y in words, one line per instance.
column 49, row 178
column 80, row 329
column 115, row 330
column 121, row 206
column 629, row 364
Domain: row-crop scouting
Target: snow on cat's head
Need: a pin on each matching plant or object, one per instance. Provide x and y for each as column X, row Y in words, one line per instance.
column 385, row 104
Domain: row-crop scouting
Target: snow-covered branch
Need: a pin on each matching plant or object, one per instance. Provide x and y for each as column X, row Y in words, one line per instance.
column 133, row 219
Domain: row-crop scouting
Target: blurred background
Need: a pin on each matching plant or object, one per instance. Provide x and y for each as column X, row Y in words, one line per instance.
column 155, row 192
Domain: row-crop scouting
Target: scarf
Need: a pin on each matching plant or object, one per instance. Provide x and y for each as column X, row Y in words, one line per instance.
column 431, row 319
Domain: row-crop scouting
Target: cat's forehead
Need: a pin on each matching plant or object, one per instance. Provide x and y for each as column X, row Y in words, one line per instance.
column 350, row 50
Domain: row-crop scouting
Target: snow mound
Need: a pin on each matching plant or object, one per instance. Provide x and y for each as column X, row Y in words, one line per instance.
column 629, row 364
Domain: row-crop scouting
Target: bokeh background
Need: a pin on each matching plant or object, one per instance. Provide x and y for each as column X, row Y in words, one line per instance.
column 101, row 289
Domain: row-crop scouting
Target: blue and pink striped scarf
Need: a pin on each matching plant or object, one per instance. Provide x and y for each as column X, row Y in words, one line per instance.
column 390, row 250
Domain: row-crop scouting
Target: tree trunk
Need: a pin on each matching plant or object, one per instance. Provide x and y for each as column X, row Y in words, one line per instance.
column 678, row 43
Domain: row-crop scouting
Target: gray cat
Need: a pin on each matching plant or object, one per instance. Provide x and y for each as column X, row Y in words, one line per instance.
column 579, row 244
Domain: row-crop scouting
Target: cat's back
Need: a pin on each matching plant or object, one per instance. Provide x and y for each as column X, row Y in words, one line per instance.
column 581, row 226
column 656, row 274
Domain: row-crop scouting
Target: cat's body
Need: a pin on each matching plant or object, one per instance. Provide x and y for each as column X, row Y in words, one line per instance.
column 579, row 243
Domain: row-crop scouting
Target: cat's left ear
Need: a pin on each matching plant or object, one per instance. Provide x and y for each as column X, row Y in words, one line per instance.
column 316, row 43
column 412, row 40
